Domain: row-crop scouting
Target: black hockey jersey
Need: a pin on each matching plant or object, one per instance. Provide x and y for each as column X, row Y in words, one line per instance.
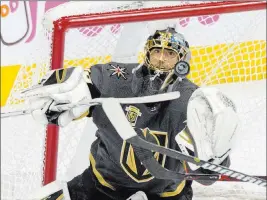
column 113, row 160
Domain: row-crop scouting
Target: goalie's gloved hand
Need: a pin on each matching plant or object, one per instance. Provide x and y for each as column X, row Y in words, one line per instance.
column 212, row 121
column 53, row 99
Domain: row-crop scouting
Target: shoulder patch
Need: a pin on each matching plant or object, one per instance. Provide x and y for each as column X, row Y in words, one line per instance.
column 132, row 114
column 117, row 71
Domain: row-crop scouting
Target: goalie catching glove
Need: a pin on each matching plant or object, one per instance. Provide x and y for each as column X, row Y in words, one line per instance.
column 211, row 126
column 53, row 98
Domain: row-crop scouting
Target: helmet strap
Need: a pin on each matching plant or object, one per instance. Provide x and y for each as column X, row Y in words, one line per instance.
column 168, row 80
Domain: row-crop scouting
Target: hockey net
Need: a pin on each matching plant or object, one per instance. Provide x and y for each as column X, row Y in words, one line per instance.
column 227, row 51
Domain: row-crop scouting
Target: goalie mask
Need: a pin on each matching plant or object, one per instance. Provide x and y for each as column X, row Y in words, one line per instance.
column 167, row 57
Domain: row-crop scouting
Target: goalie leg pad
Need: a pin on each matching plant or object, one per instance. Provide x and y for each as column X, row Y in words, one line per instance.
column 55, row 196
column 140, row 195
column 57, row 190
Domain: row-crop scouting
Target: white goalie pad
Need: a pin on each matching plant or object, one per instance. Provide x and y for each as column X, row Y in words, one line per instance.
column 58, row 91
column 54, row 83
column 140, row 195
column 212, row 121
column 50, row 189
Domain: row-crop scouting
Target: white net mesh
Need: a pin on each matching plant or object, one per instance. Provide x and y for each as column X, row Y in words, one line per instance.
column 226, row 50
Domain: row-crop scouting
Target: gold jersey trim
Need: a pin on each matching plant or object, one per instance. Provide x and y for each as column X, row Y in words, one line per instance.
column 64, row 73
column 132, row 165
column 61, row 197
column 99, row 177
column 82, row 116
column 178, row 190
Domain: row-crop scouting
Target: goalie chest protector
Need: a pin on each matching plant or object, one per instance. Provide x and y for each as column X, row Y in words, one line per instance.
column 114, row 158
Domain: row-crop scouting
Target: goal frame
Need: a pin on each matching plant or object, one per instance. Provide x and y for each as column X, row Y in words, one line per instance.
column 61, row 25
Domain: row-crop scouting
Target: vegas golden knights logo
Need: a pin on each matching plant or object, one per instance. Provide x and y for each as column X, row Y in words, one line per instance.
column 132, row 114
column 132, row 165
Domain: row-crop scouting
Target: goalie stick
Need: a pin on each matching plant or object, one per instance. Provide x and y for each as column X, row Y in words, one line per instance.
column 98, row 101
column 144, row 150
column 113, row 110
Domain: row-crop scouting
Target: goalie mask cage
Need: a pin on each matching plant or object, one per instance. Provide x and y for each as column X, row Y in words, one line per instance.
column 227, row 51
